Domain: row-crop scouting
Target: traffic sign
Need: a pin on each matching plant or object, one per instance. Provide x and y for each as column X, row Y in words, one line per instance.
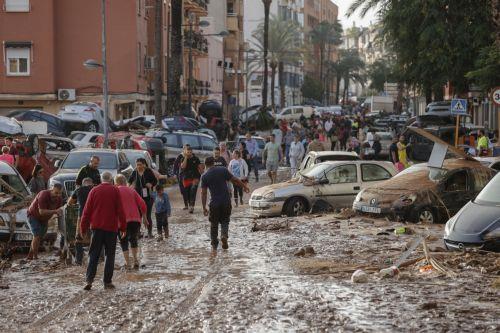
column 459, row 107
column 495, row 96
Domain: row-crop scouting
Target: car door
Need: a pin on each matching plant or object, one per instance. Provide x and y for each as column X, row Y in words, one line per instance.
column 373, row 174
column 297, row 113
column 305, row 162
column 342, row 187
column 194, row 142
column 208, row 145
column 456, row 190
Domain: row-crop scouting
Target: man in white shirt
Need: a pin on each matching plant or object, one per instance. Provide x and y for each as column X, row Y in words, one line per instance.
column 297, row 152
column 328, row 125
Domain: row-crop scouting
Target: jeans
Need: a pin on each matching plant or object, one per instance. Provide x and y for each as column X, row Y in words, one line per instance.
column 238, row 191
column 255, row 165
column 294, row 164
column 161, row 223
column 79, row 253
column 192, row 190
column 100, row 239
column 287, row 154
column 219, row 214
column 184, row 193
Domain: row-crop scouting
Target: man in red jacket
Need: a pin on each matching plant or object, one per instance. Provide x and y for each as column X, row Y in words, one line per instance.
column 104, row 215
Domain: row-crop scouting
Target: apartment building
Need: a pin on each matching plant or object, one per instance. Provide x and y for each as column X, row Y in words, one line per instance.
column 293, row 72
column 45, row 42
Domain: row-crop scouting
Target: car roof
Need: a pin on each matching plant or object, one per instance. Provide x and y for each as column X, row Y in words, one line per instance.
column 53, row 137
column 6, row 169
column 94, row 150
column 253, row 137
column 382, row 163
column 333, row 153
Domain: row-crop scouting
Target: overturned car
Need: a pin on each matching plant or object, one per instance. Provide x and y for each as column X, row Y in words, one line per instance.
column 426, row 194
column 15, row 198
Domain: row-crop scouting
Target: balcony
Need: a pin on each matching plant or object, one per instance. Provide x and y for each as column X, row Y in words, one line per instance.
column 197, row 6
column 232, row 22
column 199, row 43
column 200, row 89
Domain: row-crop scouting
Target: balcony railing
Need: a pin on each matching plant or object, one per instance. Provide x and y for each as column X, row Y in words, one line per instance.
column 200, row 88
column 200, row 3
column 197, row 41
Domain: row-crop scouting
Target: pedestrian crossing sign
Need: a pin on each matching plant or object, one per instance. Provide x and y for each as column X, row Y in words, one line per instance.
column 459, row 107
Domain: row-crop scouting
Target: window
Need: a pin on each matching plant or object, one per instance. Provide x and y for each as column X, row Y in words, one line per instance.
column 191, row 140
column 456, row 182
column 343, row 174
column 208, row 144
column 372, row 172
column 299, row 111
column 77, row 136
column 18, row 60
column 496, row 166
column 286, row 112
column 17, row 5
column 172, row 140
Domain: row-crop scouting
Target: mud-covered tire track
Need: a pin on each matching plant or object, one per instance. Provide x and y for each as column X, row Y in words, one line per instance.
column 187, row 303
column 65, row 309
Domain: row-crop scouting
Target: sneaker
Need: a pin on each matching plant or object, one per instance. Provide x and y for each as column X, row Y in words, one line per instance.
column 88, row 286
column 109, row 286
column 225, row 246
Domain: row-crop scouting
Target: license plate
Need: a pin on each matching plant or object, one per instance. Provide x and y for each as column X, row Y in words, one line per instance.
column 368, row 209
column 24, row 237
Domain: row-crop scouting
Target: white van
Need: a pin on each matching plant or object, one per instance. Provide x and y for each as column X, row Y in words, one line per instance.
column 294, row 113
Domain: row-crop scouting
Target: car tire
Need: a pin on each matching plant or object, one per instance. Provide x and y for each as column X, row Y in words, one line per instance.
column 295, row 207
column 426, row 215
column 92, row 127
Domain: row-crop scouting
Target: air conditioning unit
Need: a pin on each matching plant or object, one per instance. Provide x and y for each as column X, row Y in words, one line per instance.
column 150, row 62
column 66, row 95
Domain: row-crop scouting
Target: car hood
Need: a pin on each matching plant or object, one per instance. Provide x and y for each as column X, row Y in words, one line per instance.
column 281, row 189
column 470, row 222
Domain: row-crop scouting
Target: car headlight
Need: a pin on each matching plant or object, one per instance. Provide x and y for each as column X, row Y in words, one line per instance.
column 268, row 196
column 359, row 197
column 2, row 222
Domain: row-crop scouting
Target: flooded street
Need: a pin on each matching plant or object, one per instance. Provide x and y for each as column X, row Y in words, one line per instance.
column 262, row 283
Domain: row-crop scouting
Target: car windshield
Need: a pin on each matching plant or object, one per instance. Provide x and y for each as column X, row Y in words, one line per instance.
column 317, row 171
column 490, row 195
column 76, row 160
column 16, row 183
column 435, row 174
column 132, row 156
column 338, row 157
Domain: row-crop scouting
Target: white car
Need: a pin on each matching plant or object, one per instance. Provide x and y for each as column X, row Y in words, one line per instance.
column 147, row 118
column 83, row 139
column 84, row 115
column 294, row 113
column 326, row 186
column 316, row 157
column 490, row 162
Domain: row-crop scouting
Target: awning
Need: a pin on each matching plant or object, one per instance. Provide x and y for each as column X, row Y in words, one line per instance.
column 18, row 44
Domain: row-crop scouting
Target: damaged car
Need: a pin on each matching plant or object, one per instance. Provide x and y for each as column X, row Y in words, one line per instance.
column 477, row 224
column 15, row 199
column 426, row 194
column 326, row 186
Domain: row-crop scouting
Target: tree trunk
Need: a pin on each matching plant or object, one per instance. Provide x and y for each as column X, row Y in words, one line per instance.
column 337, row 88
column 281, row 73
column 346, row 88
column 399, row 102
column 175, row 63
column 326, row 88
column 158, row 60
column 273, row 81
column 267, row 5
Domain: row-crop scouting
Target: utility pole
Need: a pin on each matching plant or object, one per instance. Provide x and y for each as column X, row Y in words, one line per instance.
column 158, row 60
column 190, row 65
column 104, row 75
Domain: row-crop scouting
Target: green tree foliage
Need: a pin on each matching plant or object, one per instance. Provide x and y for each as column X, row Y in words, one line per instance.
column 380, row 72
column 434, row 40
column 348, row 67
column 312, row 88
column 487, row 69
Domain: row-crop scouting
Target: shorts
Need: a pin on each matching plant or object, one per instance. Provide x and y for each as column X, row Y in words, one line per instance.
column 37, row 228
column 271, row 166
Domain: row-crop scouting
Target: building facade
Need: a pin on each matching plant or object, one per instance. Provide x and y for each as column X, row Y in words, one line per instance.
column 38, row 64
column 292, row 10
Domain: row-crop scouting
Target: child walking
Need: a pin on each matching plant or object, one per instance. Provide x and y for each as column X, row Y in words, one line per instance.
column 239, row 168
column 163, row 210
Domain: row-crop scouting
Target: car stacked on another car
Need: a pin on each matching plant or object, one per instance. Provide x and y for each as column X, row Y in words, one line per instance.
column 83, row 116
column 324, row 186
column 83, row 139
column 55, row 125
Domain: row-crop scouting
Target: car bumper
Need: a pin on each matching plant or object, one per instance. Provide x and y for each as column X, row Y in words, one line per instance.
column 266, row 208
column 365, row 208
column 461, row 246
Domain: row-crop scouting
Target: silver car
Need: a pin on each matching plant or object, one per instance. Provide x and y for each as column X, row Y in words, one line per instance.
column 328, row 185
column 84, row 115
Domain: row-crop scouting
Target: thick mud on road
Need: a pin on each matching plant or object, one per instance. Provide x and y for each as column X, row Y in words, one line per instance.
column 260, row 284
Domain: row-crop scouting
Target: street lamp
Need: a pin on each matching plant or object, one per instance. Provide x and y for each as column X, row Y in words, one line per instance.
column 93, row 64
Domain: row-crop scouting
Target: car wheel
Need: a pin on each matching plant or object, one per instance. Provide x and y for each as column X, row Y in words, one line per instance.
column 170, row 168
column 296, row 207
column 426, row 215
column 92, row 127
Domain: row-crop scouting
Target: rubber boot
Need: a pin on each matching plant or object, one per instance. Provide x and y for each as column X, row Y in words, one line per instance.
column 135, row 257
column 127, row 260
column 167, row 234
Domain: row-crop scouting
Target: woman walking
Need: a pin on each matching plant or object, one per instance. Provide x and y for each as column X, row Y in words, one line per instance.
column 143, row 180
column 190, row 166
column 133, row 207
column 239, row 168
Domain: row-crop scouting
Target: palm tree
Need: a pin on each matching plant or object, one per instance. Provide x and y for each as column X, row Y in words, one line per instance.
column 175, row 70
column 352, row 66
column 267, row 9
column 324, row 35
column 284, row 47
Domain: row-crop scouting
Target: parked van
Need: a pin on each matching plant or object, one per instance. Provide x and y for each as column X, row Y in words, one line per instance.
column 294, row 113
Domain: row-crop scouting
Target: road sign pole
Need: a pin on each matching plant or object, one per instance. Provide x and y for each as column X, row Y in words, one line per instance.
column 456, row 131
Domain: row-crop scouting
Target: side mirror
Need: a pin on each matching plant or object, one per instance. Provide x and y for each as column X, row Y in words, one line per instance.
column 57, row 163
